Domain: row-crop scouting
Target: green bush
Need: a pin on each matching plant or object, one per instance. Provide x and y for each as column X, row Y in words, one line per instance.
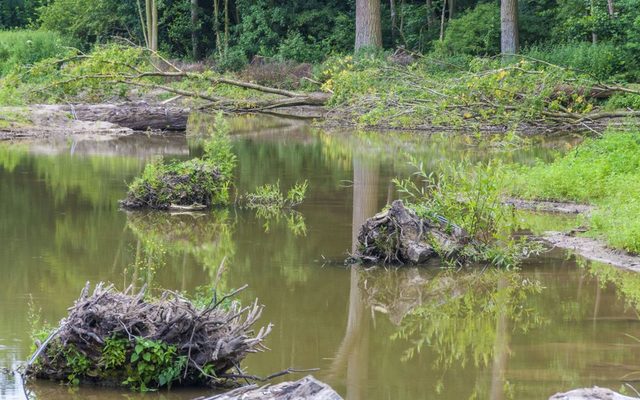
column 90, row 22
column 475, row 33
column 25, row 47
column 603, row 61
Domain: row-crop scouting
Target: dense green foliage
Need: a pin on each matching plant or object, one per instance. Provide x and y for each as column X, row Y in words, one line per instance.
column 603, row 171
column 313, row 30
column 22, row 47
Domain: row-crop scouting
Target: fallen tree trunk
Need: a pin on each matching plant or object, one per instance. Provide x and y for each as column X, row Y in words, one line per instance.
column 137, row 116
column 308, row 388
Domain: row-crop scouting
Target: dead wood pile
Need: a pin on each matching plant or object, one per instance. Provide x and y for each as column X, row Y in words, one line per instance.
column 208, row 340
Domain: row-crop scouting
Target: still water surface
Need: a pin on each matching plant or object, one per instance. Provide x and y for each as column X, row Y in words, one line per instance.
column 413, row 333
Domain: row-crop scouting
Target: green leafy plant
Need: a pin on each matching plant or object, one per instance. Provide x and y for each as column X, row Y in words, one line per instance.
column 154, row 364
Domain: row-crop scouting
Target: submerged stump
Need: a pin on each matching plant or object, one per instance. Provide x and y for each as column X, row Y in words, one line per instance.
column 308, row 388
column 124, row 338
column 398, row 235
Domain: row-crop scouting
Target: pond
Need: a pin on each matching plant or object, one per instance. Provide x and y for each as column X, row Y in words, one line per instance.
column 558, row 323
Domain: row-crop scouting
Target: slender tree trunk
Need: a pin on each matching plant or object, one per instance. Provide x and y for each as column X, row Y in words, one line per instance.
column 216, row 25
column 509, row 41
column 226, row 25
column 444, row 7
column 368, row 26
column 452, row 6
column 147, row 5
column 394, row 23
column 194, row 29
column 594, row 35
column 154, row 26
column 430, row 18
column 143, row 24
column 611, row 8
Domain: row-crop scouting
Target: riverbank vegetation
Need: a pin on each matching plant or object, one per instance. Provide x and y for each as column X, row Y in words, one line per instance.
column 603, row 171
column 421, row 65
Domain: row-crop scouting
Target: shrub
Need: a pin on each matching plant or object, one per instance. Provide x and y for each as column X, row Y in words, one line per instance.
column 25, row 47
column 280, row 74
column 603, row 61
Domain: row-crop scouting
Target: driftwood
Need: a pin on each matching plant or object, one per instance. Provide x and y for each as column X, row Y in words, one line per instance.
column 594, row 393
column 213, row 339
column 308, row 388
column 398, row 235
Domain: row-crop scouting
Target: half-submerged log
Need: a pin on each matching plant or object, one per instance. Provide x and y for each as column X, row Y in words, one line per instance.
column 308, row 388
column 594, row 393
column 116, row 338
column 398, row 235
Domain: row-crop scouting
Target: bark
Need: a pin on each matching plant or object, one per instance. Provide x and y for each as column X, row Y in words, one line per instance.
column 153, row 33
column 452, row 6
column 430, row 16
column 194, row 29
column 444, row 7
column 226, row 25
column 216, row 24
column 148, row 5
column 368, row 25
column 509, row 40
column 611, row 8
column 136, row 116
column 394, row 24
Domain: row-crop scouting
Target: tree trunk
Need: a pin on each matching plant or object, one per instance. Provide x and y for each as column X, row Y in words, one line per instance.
column 216, row 25
column 147, row 8
column 611, row 8
column 430, row 19
column 509, row 43
column 594, row 35
column 153, row 33
column 194, row 29
column 136, row 116
column 452, row 6
column 394, row 23
column 444, row 7
column 226, row 25
column 368, row 26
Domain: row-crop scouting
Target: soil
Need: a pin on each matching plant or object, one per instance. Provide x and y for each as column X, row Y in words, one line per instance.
column 550, row 206
column 593, row 249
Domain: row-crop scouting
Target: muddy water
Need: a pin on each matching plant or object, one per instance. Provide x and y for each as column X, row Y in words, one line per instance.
column 413, row 333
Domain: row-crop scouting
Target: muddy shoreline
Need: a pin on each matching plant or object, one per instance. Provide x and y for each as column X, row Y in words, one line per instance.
column 50, row 120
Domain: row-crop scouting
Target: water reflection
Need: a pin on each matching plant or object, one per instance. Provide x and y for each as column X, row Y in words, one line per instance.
column 478, row 334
